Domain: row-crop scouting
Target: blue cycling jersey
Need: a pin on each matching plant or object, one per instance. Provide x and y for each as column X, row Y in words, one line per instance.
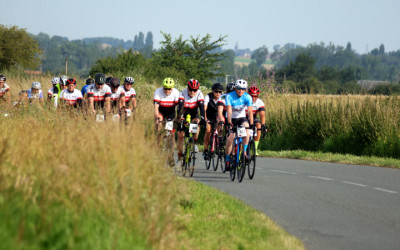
column 84, row 90
column 238, row 103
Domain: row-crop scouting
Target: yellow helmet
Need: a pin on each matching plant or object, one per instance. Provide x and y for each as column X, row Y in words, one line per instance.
column 168, row 83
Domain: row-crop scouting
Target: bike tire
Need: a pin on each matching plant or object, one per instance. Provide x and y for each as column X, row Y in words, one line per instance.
column 213, row 153
column 221, row 155
column 241, row 170
column 232, row 171
column 185, row 161
column 192, row 158
column 251, row 165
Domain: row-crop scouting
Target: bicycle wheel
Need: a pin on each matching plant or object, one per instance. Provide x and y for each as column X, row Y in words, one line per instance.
column 185, row 160
column 232, row 171
column 192, row 157
column 221, row 155
column 241, row 170
column 213, row 153
column 251, row 163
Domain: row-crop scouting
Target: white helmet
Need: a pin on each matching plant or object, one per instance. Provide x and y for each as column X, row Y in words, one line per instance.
column 63, row 80
column 241, row 84
column 55, row 80
column 36, row 85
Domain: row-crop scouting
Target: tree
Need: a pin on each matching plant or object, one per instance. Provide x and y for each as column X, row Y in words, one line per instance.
column 260, row 55
column 301, row 69
column 17, row 48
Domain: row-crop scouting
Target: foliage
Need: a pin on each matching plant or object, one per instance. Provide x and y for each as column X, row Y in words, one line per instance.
column 17, row 49
column 260, row 55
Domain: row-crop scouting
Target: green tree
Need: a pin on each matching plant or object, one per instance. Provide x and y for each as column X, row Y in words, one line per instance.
column 260, row 55
column 17, row 48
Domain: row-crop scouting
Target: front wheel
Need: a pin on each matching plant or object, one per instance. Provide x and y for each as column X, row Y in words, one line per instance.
column 213, row 153
column 241, row 170
column 251, row 162
column 192, row 158
column 232, row 170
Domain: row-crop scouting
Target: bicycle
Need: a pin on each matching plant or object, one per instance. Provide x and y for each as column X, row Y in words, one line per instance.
column 189, row 155
column 214, row 151
column 237, row 156
column 251, row 152
column 166, row 140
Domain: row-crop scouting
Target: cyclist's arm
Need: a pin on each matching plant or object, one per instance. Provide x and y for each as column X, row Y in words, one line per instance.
column 180, row 108
column 202, row 112
column 262, row 117
column 250, row 114
column 156, row 111
column 229, row 113
column 91, row 104
column 205, row 112
column 107, row 105
column 133, row 101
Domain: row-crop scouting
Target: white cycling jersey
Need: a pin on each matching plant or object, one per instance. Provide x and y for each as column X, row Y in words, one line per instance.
column 166, row 101
column 127, row 93
column 191, row 102
column 258, row 105
column 115, row 96
column 99, row 95
column 71, row 97
column 4, row 89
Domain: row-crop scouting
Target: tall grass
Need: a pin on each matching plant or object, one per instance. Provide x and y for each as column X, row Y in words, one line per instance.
column 360, row 125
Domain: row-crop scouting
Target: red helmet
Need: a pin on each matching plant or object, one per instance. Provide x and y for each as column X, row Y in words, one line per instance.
column 253, row 90
column 193, row 84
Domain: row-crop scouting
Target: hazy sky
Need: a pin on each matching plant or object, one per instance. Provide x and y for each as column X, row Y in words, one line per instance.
column 251, row 23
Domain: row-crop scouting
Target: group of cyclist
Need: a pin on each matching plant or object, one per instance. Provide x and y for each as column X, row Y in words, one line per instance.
column 234, row 108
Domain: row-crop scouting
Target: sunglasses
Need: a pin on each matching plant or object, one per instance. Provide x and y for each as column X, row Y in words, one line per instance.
column 241, row 88
column 218, row 92
column 167, row 88
column 192, row 90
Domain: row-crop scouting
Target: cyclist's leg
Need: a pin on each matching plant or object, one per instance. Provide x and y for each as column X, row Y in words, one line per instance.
column 257, row 138
column 207, row 134
column 181, row 136
column 245, row 123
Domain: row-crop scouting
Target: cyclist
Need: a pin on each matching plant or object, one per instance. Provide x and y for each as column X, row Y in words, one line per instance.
column 116, row 100
column 99, row 95
column 211, row 113
column 190, row 99
column 35, row 94
column 89, row 82
column 165, row 101
column 236, row 103
column 108, row 79
column 4, row 90
column 128, row 95
column 71, row 96
column 50, row 92
column 258, row 108
column 221, row 102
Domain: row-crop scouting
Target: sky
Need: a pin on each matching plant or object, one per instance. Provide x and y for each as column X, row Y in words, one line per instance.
column 366, row 24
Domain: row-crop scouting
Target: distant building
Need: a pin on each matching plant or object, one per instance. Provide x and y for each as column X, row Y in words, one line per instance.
column 242, row 52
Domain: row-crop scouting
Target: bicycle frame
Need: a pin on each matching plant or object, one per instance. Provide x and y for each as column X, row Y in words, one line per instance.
column 190, row 154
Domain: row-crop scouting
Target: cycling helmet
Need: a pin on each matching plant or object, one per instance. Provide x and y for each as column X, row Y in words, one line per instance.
column 108, row 79
column 63, row 80
column 230, row 87
column 55, row 80
column 71, row 81
column 241, row 84
column 254, row 91
column 168, row 83
column 89, row 81
column 129, row 80
column 217, row 86
column 193, row 84
column 100, row 79
column 114, row 82
column 2, row 77
column 36, row 85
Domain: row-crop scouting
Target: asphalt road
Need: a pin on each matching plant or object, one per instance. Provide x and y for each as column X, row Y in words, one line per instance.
column 326, row 205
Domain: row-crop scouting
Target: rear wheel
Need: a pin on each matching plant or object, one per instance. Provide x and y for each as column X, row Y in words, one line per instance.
column 241, row 170
column 232, row 171
column 213, row 153
column 192, row 157
column 251, row 164
column 221, row 155
column 185, row 159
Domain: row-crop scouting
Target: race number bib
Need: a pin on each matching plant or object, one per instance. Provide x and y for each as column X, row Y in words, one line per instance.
column 169, row 125
column 193, row 128
column 99, row 118
column 241, row 131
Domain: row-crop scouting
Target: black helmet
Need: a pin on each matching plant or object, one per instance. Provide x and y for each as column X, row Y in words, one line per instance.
column 89, row 81
column 100, row 79
column 114, row 82
column 108, row 79
column 230, row 87
column 2, row 77
column 217, row 86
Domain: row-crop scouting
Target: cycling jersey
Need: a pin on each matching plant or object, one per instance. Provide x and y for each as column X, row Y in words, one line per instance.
column 167, row 103
column 85, row 89
column 39, row 95
column 238, row 104
column 50, row 92
column 190, row 104
column 4, row 89
column 99, row 95
column 127, row 93
column 212, row 109
column 115, row 97
column 71, row 98
column 258, row 106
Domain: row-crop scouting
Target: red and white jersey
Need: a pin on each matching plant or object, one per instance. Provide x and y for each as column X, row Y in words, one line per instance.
column 71, row 97
column 115, row 96
column 50, row 91
column 99, row 94
column 191, row 102
column 4, row 89
column 258, row 105
column 166, row 101
column 127, row 93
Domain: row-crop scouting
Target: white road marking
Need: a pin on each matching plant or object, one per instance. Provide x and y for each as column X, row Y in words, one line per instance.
column 385, row 190
column 321, row 178
column 355, row 184
column 283, row 172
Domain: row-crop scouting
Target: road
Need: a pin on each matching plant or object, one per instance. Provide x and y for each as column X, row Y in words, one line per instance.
column 326, row 205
